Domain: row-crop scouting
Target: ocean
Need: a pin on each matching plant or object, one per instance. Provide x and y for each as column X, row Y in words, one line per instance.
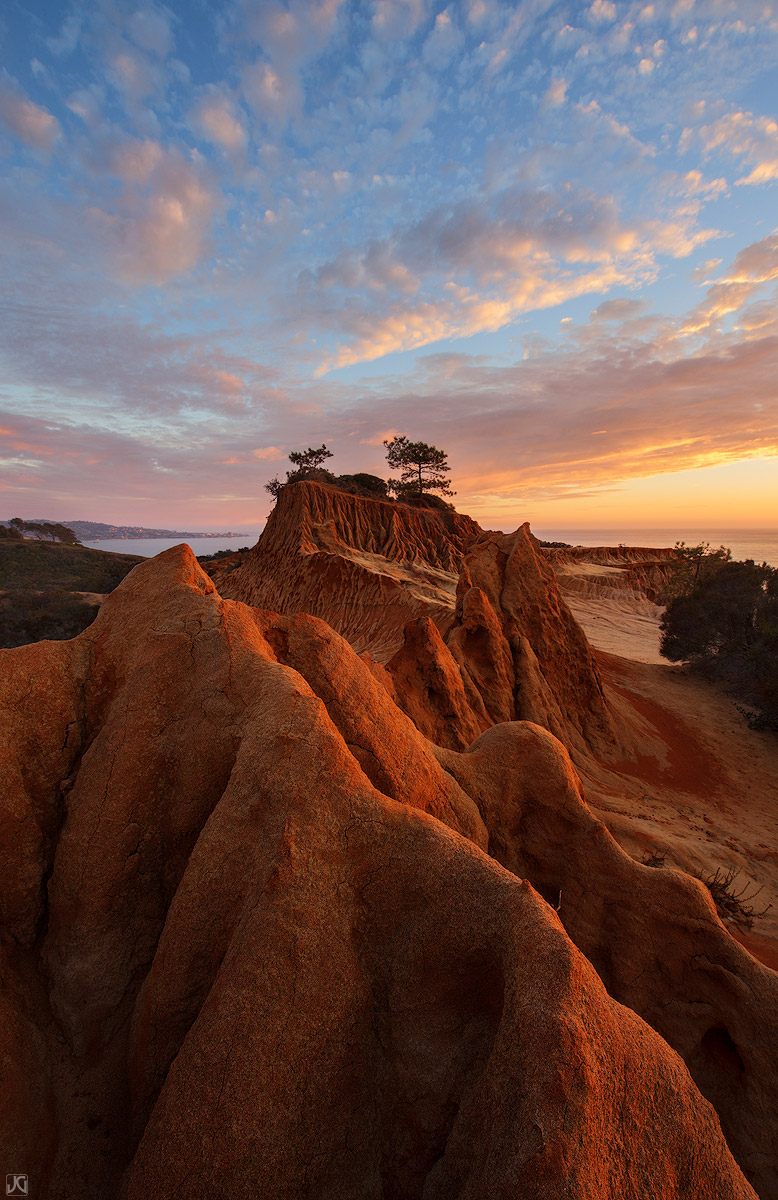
column 148, row 547
column 759, row 544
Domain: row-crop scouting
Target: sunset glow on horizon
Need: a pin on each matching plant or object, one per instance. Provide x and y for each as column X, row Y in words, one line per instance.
column 542, row 236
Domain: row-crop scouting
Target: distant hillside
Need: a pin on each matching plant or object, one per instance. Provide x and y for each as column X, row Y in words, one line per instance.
column 96, row 531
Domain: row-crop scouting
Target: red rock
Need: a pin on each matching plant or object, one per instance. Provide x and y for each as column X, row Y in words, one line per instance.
column 365, row 566
column 429, row 685
column 378, row 572
column 560, row 678
column 281, row 959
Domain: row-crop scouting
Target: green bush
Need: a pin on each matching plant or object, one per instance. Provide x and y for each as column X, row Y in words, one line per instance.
column 727, row 626
column 363, row 484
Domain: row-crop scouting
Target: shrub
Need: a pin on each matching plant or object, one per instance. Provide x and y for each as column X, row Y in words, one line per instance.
column 363, row 484
column 727, row 626
column 55, row 615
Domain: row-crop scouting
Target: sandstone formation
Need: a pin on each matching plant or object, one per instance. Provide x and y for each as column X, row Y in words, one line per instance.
column 504, row 646
column 614, row 592
column 263, row 936
column 637, row 571
column 365, row 566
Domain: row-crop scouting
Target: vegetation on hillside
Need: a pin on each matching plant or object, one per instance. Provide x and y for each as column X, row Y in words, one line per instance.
column 723, row 619
column 34, row 616
column 41, row 565
column 693, row 565
column 38, row 585
column 48, row 531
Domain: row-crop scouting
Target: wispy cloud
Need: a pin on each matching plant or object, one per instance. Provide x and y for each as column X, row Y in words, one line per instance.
column 754, row 139
column 203, row 206
column 488, row 262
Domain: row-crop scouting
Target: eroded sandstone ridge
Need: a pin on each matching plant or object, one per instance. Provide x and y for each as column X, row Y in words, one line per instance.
column 262, row 936
column 365, row 566
column 471, row 625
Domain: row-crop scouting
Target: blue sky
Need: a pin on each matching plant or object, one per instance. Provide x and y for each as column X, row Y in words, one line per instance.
column 543, row 236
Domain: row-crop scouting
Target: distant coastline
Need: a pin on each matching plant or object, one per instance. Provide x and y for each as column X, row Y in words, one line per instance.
column 155, row 534
column 98, row 531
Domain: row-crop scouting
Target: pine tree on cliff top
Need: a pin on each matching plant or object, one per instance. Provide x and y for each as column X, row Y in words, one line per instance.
column 308, row 464
column 424, row 468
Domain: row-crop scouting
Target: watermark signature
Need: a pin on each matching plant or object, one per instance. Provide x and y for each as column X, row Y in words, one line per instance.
column 16, row 1185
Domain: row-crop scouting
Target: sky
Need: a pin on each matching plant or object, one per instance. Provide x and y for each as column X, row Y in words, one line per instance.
column 541, row 236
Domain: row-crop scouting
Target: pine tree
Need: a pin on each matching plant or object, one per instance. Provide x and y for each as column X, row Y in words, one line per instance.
column 424, row 468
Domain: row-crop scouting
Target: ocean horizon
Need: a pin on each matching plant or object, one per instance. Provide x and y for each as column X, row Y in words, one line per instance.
column 759, row 544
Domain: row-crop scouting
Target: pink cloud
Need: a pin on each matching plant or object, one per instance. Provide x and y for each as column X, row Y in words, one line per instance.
column 32, row 124
column 217, row 117
column 160, row 226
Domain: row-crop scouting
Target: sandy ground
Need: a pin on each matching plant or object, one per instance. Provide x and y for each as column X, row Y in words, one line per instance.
column 698, row 788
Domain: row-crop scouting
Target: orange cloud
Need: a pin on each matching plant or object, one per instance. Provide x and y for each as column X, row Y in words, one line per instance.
column 469, row 313
column 743, row 135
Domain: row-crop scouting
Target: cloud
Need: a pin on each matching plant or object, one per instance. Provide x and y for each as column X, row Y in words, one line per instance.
column 478, row 265
column 69, row 34
column 32, row 124
column 695, row 184
column 290, row 38
column 742, row 135
column 216, row 116
column 274, row 93
column 395, row 19
column 77, row 351
column 570, row 419
column 758, row 261
column 752, row 267
column 492, row 239
column 705, row 268
column 87, row 103
column 603, row 10
column 619, row 309
column 418, row 173
column 158, row 227
column 201, row 477
column 444, row 41
column 150, row 28
column 406, row 327
column 555, row 96
column 133, row 74
column 584, row 419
